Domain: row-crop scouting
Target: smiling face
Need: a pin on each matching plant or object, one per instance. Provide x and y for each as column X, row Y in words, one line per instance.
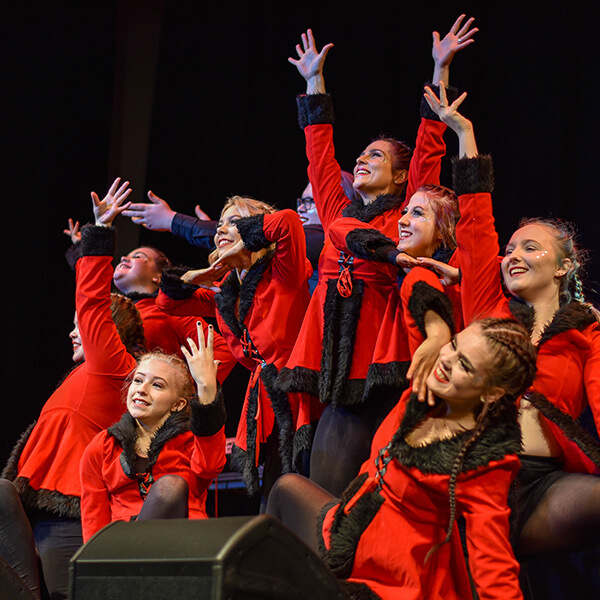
column 374, row 173
column 138, row 272
column 417, row 227
column 460, row 376
column 227, row 233
column 155, row 392
column 78, row 354
column 531, row 268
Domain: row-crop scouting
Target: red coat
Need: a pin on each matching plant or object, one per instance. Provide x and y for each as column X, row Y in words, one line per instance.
column 335, row 346
column 568, row 362
column 381, row 539
column 111, row 486
column 269, row 305
column 168, row 333
column 88, row 400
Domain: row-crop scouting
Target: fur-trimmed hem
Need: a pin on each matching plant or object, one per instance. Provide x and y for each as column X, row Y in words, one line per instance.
column 386, row 380
column 425, row 297
column 11, row 470
column 365, row 243
column 98, row 241
column 473, row 175
column 242, row 463
column 299, row 379
column 572, row 430
column 208, row 419
column 314, row 109
column 426, row 112
column 50, row 501
column 302, row 444
column 174, row 287
column 251, row 231
column 358, row 591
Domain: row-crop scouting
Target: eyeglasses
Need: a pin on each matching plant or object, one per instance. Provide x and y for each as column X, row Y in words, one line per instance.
column 305, row 205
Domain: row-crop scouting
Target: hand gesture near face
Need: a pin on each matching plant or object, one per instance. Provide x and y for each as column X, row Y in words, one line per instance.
column 447, row 274
column 111, row 205
column 156, row 216
column 206, row 277
column 310, row 62
column 202, row 364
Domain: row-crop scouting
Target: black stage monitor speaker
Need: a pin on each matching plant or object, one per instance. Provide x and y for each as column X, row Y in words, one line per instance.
column 231, row 558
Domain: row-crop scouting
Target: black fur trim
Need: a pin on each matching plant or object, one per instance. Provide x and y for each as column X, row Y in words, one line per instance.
column 346, row 529
column 73, row 254
column 49, row 501
column 302, row 444
column 314, row 109
column 208, row 419
column 497, row 440
column 443, row 254
column 252, row 232
column 424, row 298
column 136, row 296
column 98, row 241
column 11, row 470
column 299, row 379
column 367, row 212
column 358, row 591
column 569, row 316
column 231, row 290
column 339, row 332
column 473, row 175
column 363, row 243
column 174, row 287
column 386, row 381
column 523, row 313
column 426, row 112
column 574, row 432
column 283, row 415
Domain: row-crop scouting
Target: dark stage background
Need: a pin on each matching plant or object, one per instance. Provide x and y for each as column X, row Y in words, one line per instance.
column 198, row 103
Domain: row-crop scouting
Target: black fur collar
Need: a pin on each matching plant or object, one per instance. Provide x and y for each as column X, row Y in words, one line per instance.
column 366, row 212
column 125, row 432
column 135, row 296
column 573, row 315
column 495, row 443
column 231, row 290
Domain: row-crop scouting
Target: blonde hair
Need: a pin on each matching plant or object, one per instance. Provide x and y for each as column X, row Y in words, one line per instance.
column 247, row 206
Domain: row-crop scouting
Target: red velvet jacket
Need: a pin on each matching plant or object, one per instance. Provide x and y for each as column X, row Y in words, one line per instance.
column 112, row 490
column 380, row 539
column 259, row 319
column 568, row 363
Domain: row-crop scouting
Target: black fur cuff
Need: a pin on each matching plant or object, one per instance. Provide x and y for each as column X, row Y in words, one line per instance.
column 73, row 254
column 369, row 244
column 174, row 287
column 424, row 298
column 426, row 112
column 98, row 241
column 473, row 175
column 314, row 109
column 251, row 230
column 207, row 419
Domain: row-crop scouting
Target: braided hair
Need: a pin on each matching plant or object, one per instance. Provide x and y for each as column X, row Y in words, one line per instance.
column 513, row 369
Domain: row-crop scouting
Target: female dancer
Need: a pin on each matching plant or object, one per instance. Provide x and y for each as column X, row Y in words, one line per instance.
column 259, row 310
column 335, row 347
column 44, row 465
column 387, row 534
column 159, row 459
column 558, row 501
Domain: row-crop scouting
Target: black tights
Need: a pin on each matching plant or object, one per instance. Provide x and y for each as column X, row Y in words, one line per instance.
column 566, row 518
column 297, row 502
column 167, row 499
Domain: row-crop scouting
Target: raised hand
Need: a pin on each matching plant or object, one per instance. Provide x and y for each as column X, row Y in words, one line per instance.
column 73, row 231
column 459, row 37
column 405, row 261
column 310, row 62
column 111, row 205
column 156, row 216
column 448, row 275
column 201, row 214
column 202, row 364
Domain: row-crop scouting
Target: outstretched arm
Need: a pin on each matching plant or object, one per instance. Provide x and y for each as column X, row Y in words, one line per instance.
column 156, row 216
column 310, row 62
column 202, row 364
column 460, row 36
